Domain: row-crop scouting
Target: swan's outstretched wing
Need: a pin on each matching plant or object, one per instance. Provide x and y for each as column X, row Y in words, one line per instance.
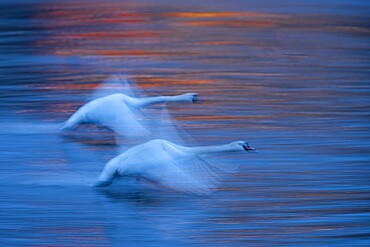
column 152, row 126
column 130, row 128
column 139, row 125
column 115, row 84
column 191, row 174
column 135, row 126
column 165, row 127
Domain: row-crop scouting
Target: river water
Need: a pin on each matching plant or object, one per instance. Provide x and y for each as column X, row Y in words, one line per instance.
column 290, row 77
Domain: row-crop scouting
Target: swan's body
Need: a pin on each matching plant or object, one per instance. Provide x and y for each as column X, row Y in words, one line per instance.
column 120, row 113
column 170, row 165
column 111, row 111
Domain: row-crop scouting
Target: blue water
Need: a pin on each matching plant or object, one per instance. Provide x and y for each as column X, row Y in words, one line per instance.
column 291, row 78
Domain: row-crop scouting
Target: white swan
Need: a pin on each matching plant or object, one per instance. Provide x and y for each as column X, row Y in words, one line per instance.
column 120, row 112
column 170, row 165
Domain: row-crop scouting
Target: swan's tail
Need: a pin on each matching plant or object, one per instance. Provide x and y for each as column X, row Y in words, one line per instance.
column 106, row 176
column 69, row 124
column 102, row 183
column 77, row 118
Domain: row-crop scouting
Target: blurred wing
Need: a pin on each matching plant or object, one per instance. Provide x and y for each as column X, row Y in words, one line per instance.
column 157, row 124
column 130, row 125
column 163, row 126
column 192, row 174
column 224, row 162
column 115, row 84
column 131, row 129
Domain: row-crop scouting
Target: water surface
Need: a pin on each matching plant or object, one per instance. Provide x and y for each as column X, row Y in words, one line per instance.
column 290, row 78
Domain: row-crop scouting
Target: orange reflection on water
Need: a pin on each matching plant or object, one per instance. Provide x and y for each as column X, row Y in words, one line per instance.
column 232, row 23
column 143, row 82
column 221, row 14
column 148, row 82
column 85, row 86
column 93, row 52
column 116, row 34
column 110, row 23
column 230, row 19
column 201, row 14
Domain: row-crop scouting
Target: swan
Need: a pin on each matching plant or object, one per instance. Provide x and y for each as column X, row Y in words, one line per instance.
column 121, row 112
column 173, row 166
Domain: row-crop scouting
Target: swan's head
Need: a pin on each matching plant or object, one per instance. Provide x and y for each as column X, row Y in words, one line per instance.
column 242, row 146
column 190, row 97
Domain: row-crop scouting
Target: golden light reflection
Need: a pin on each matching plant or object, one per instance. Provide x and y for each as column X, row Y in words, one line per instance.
column 201, row 14
column 232, row 23
column 126, row 33
column 127, row 29
column 229, row 19
column 111, row 23
column 222, row 14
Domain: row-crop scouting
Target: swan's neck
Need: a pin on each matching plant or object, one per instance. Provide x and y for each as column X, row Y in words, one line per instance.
column 162, row 99
column 212, row 149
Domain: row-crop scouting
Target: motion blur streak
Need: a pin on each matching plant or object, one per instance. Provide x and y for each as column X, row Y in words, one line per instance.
column 290, row 77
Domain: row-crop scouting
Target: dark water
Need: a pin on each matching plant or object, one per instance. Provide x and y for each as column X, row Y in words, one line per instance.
column 290, row 77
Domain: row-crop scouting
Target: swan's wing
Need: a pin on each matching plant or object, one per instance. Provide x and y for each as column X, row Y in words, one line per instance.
column 115, row 84
column 191, row 174
column 131, row 128
column 150, row 125
column 165, row 127
column 224, row 162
